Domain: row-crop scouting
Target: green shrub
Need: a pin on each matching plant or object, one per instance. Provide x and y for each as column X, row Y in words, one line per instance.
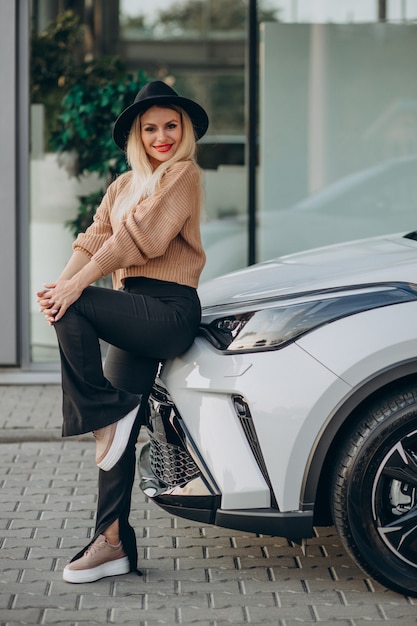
column 82, row 100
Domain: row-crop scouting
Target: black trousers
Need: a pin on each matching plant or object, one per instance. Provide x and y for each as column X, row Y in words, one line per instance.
column 149, row 321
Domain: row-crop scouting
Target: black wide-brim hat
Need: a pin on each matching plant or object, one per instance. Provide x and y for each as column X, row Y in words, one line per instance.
column 159, row 94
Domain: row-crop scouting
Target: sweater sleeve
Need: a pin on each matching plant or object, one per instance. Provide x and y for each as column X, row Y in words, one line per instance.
column 99, row 231
column 148, row 230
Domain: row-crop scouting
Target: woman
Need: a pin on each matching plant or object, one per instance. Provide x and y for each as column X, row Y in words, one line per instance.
column 146, row 233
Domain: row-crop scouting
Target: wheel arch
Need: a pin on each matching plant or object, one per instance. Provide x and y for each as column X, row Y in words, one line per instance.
column 318, row 472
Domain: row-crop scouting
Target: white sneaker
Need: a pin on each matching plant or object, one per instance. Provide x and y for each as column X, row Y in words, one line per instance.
column 99, row 560
column 111, row 441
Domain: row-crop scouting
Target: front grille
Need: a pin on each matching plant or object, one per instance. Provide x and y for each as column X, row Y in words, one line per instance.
column 172, row 465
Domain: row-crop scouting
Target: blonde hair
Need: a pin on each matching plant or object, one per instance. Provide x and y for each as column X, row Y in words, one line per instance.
column 145, row 180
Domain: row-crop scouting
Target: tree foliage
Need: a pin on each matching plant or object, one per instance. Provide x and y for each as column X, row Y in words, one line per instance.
column 88, row 112
column 53, row 57
column 53, row 51
column 82, row 99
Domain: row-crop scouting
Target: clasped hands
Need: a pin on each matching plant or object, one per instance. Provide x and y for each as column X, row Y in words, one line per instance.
column 55, row 298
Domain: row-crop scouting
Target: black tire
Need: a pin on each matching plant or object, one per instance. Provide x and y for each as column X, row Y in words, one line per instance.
column 374, row 492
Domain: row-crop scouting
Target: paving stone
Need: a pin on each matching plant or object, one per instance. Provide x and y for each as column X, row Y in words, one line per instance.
column 14, row 617
column 193, row 574
column 396, row 622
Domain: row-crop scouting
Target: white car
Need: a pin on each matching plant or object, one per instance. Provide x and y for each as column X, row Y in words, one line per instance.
column 296, row 405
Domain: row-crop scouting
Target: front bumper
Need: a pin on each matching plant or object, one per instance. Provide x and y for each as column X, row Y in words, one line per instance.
column 175, row 476
column 172, row 473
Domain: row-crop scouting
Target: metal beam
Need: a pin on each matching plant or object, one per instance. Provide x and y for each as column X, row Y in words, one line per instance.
column 184, row 54
column 382, row 10
column 23, row 187
column 251, row 98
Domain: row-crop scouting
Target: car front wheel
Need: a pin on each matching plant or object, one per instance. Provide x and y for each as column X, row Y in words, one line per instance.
column 374, row 491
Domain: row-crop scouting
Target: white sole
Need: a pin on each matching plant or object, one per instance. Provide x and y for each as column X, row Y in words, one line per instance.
column 112, row 568
column 121, row 437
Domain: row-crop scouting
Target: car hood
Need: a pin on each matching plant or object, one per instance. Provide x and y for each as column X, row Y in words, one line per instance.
column 377, row 259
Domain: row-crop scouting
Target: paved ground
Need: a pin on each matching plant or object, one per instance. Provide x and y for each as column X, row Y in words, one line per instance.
column 192, row 574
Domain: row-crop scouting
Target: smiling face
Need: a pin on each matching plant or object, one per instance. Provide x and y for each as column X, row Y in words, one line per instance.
column 161, row 133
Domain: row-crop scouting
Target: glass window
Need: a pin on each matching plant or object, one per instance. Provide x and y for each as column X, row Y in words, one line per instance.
column 221, row 153
column 402, row 10
column 339, row 161
column 53, row 192
column 338, row 129
column 311, row 11
column 170, row 19
column 199, row 47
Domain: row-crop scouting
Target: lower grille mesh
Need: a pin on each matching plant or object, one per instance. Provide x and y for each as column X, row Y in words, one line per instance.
column 172, row 465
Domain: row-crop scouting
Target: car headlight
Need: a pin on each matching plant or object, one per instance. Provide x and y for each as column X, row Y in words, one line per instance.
column 271, row 324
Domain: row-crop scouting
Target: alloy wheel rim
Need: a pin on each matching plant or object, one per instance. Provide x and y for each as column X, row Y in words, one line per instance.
column 394, row 499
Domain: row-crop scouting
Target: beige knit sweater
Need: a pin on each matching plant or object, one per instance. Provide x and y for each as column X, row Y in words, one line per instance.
column 159, row 238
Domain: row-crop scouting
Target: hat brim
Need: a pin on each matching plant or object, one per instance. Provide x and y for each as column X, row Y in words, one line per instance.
column 124, row 122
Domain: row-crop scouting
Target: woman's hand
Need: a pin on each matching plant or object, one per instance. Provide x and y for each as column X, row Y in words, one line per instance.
column 55, row 298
